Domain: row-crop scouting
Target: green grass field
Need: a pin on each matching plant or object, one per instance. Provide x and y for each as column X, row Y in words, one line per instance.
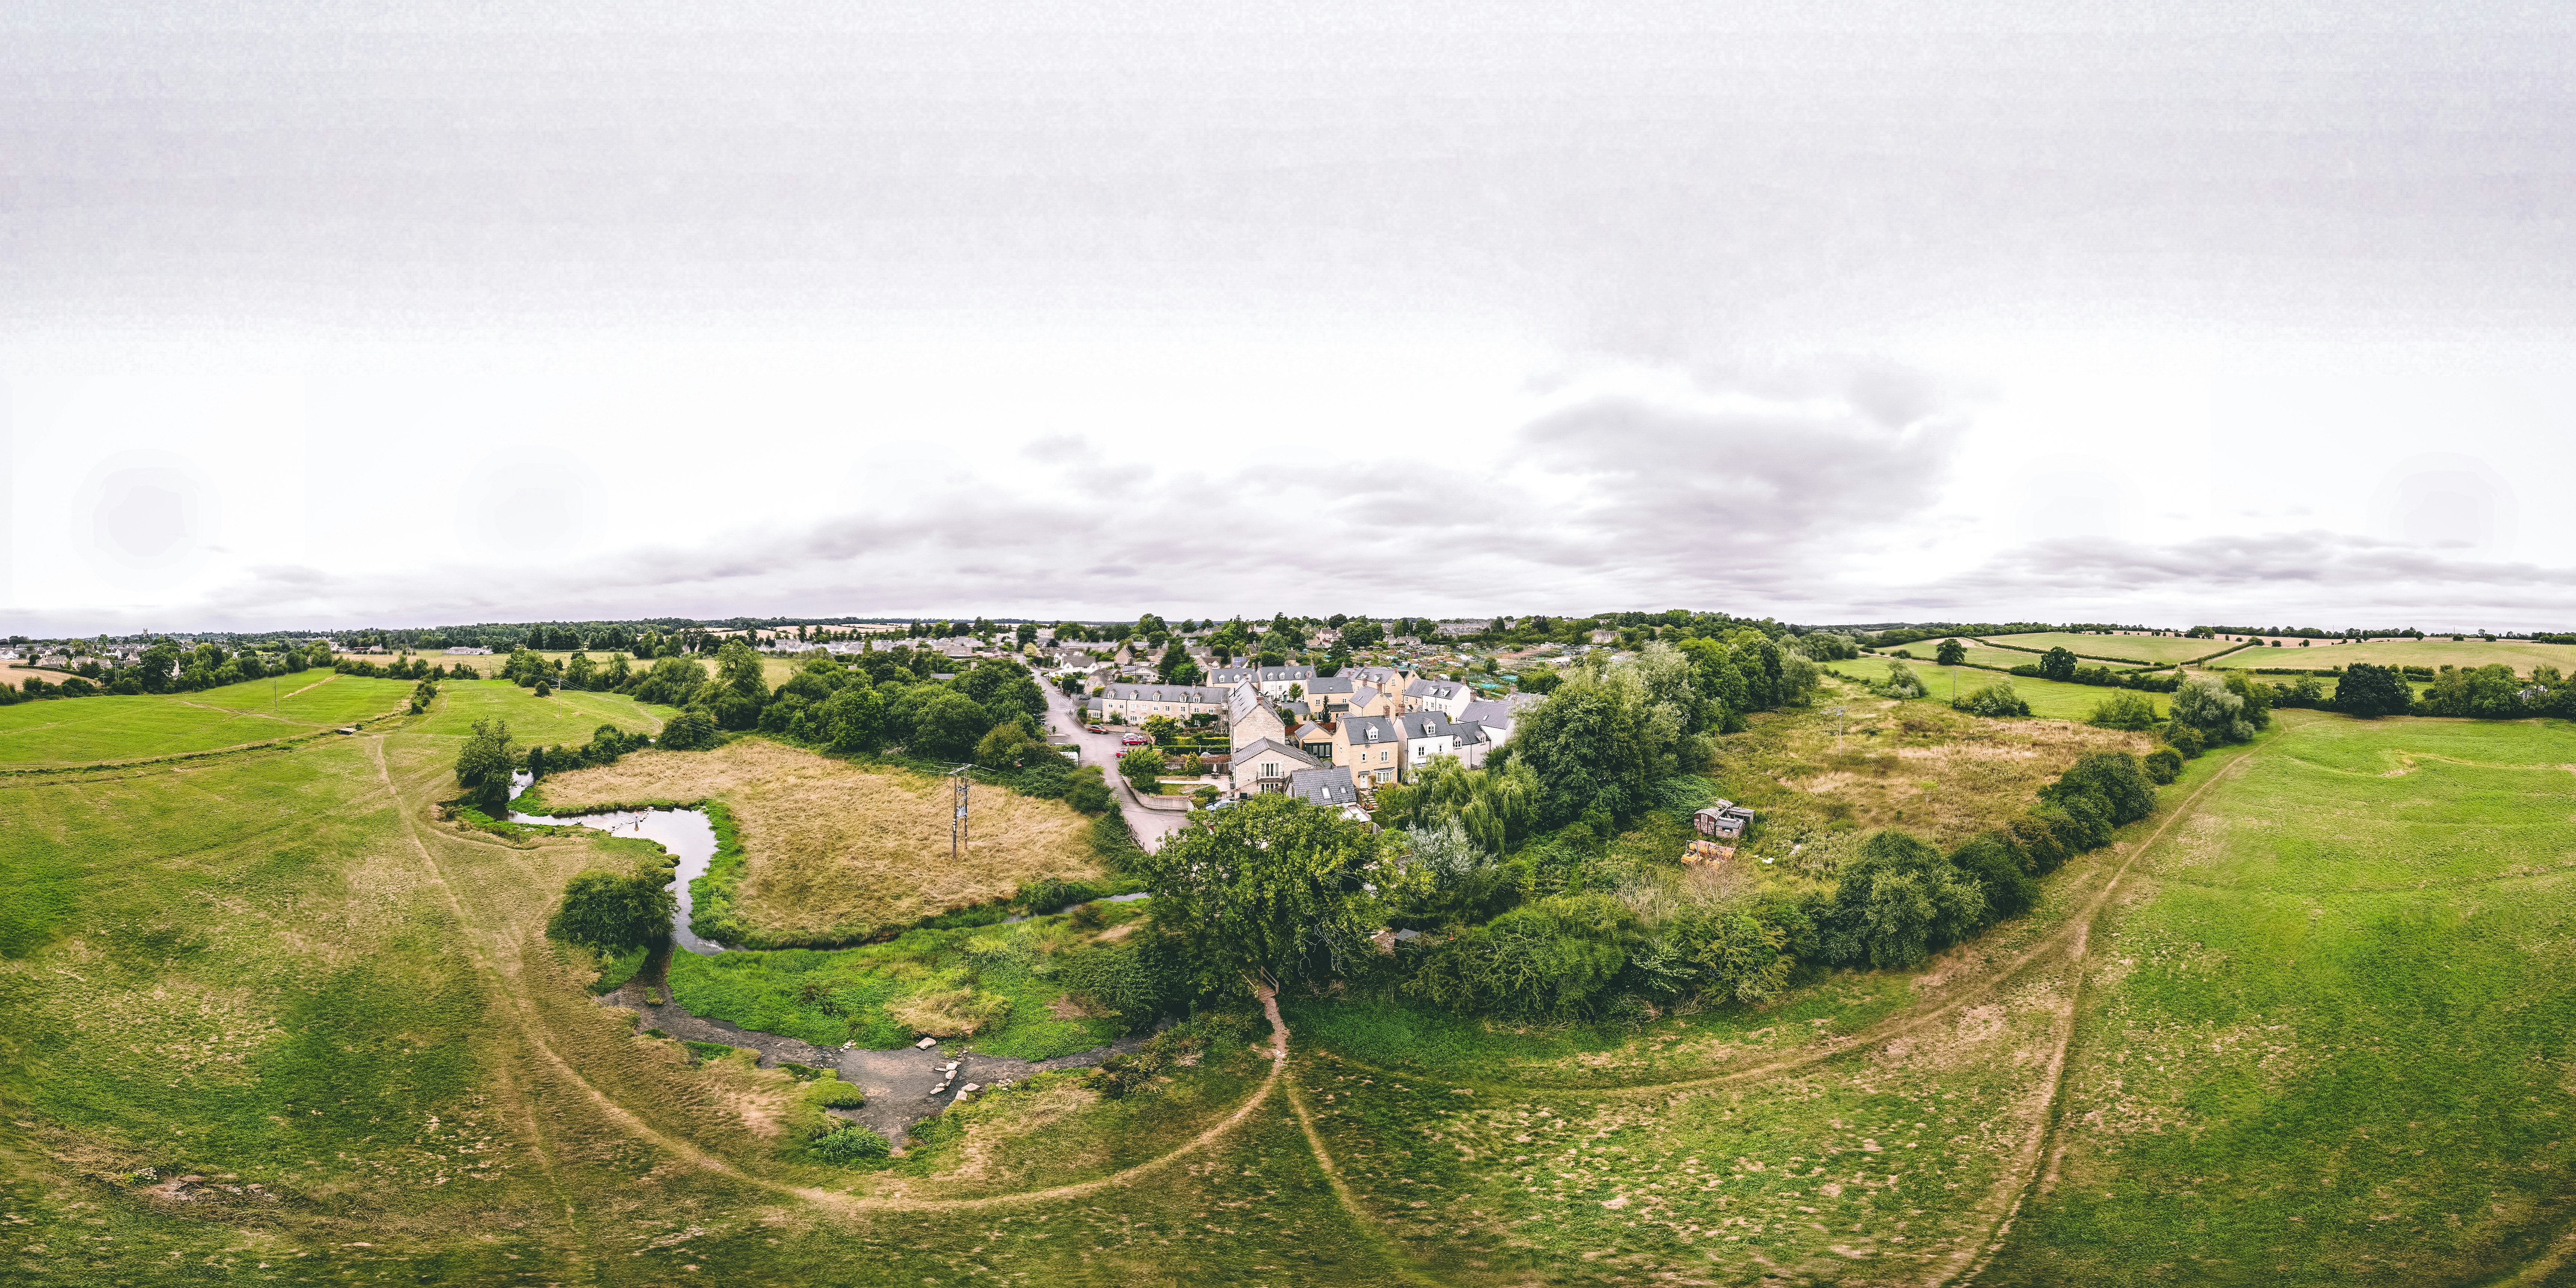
column 2313, row 1018
column 2521, row 655
column 2159, row 650
column 565, row 718
column 2002, row 659
column 2047, row 698
column 78, row 731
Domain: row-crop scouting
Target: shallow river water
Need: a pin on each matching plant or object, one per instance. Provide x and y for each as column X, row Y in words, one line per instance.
column 684, row 832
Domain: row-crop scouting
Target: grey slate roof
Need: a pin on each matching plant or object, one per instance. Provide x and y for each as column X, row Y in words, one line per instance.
column 1284, row 674
column 1441, row 689
column 1371, row 730
column 1426, row 724
column 1261, row 747
column 1200, row 694
column 1490, row 711
column 1324, row 786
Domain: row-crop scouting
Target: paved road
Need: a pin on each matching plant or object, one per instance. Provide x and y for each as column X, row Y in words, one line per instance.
column 1102, row 749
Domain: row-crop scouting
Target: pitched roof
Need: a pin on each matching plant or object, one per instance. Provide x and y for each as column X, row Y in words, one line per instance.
column 1259, row 747
column 1329, row 686
column 1469, row 733
column 1307, row 731
column 1491, row 711
column 1426, row 724
column 1324, row 786
column 1284, row 674
column 1166, row 693
column 1371, row 729
column 1441, row 689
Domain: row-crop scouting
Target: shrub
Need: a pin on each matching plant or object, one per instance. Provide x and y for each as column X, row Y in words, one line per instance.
column 1900, row 682
column 2114, row 780
column 2125, row 710
column 800, row 1072
column 615, row 912
column 691, row 730
column 2009, row 890
column 2186, row 740
column 849, row 1145
column 2372, row 691
column 840, row 1095
column 2163, row 765
column 708, row 1050
column 1898, row 901
column 1994, row 701
column 484, row 766
column 1545, row 958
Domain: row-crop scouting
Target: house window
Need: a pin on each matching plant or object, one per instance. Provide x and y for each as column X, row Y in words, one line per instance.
column 1270, row 769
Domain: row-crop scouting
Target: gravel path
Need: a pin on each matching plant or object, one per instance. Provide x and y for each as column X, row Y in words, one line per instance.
column 902, row 1086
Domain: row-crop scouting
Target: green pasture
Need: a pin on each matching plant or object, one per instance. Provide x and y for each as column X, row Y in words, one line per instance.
column 2329, row 1043
column 2156, row 650
column 2002, row 659
column 2318, row 1033
column 2050, row 699
column 565, row 717
column 80, row 731
column 2521, row 655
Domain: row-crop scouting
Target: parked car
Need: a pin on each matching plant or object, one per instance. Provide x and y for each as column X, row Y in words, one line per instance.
column 1098, row 728
column 1135, row 740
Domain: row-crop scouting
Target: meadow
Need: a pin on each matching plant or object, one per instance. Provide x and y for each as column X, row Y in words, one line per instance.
column 80, row 731
column 265, row 1015
column 835, row 849
column 2157, row 650
column 2048, row 699
column 1986, row 655
column 2521, row 655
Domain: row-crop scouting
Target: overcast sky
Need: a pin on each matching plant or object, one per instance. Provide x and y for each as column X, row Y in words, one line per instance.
column 2171, row 313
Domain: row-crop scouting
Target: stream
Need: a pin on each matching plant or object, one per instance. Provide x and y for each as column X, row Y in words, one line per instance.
column 684, row 832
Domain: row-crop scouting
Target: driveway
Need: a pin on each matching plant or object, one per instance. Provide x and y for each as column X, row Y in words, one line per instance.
column 1103, row 749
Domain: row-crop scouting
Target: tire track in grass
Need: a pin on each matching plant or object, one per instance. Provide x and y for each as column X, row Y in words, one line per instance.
column 634, row 1125
column 2035, row 1169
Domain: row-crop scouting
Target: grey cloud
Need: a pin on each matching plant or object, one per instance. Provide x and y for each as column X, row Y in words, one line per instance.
column 2248, row 572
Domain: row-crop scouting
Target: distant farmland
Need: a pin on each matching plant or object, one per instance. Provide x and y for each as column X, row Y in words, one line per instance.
column 2164, row 650
column 2521, row 655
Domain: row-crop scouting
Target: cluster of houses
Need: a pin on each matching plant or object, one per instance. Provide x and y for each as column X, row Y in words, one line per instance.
column 1330, row 739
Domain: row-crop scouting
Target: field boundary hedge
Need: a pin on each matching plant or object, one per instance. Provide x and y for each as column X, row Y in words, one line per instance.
column 2098, row 657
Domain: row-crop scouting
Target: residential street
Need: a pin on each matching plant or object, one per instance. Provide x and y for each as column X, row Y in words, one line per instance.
column 1102, row 749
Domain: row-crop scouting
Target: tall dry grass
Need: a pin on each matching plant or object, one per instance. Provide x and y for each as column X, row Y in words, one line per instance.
column 833, row 844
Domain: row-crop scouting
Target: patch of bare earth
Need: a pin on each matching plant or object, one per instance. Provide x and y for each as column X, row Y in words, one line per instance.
column 832, row 844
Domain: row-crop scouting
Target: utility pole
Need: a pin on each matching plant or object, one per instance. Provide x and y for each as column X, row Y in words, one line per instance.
column 957, row 837
column 1838, row 727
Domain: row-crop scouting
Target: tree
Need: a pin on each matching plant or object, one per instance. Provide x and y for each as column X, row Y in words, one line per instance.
column 1008, row 746
column 2205, row 706
column 1087, row 791
column 691, row 730
column 615, row 912
column 1142, row 766
column 1269, row 893
column 1898, row 900
column 741, row 690
column 2117, row 783
column 2057, row 664
column 2371, row 691
column 1586, row 748
column 948, row 726
column 853, row 718
column 484, row 766
column 1951, row 653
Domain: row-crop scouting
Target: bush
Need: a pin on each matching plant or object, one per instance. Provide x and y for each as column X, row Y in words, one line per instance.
column 1995, row 701
column 2009, row 890
column 2372, row 691
column 2163, row 765
column 708, row 1050
column 1901, row 682
column 2115, row 781
column 1087, row 791
column 484, row 766
column 1898, row 901
column 849, row 1145
column 840, row 1095
column 2186, row 741
column 691, row 730
column 1545, row 958
column 2132, row 711
column 616, row 912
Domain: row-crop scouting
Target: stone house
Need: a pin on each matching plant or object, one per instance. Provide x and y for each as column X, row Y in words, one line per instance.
column 1134, row 702
column 1266, row 765
column 1448, row 697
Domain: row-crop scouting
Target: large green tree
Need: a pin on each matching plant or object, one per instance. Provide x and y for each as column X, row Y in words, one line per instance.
column 1898, row 900
column 484, row 765
column 2057, row 664
column 2372, row 691
column 615, row 911
column 1588, row 750
column 1271, row 892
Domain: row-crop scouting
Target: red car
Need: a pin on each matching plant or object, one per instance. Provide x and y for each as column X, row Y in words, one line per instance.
column 1135, row 740
column 1097, row 728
